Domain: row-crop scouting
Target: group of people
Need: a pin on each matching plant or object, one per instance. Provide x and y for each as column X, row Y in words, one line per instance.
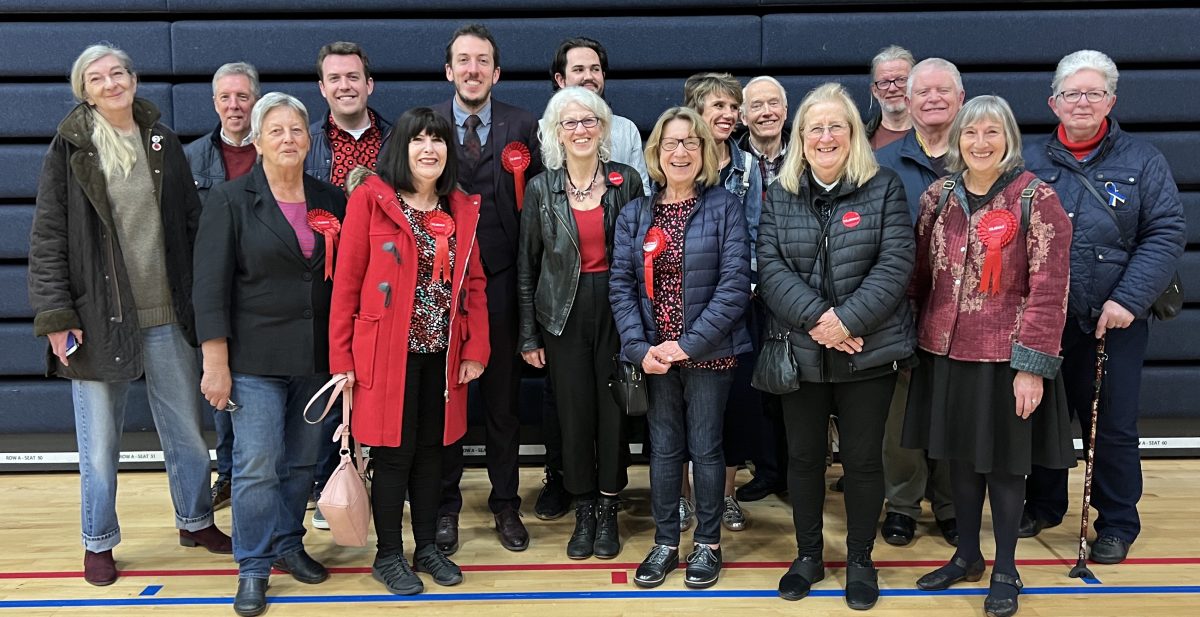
column 410, row 258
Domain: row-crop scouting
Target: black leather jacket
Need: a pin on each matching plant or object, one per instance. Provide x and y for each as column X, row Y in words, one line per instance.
column 548, row 261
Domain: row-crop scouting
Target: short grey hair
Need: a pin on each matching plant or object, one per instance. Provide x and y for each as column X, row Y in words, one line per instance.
column 889, row 54
column 1082, row 60
column 930, row 64
column 770, row 80
column 87, row 57
column 270, row 101
column 554, row 154
column 986, row 107
column 238, row 68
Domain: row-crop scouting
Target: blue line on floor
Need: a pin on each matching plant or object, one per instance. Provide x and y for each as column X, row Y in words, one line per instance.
column 151, row 590
column 1090, row 581
column 582, row 595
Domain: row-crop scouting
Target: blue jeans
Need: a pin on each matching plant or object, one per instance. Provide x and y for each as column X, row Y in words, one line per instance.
column 687, row 410
column 174, row 393
column 274, row 456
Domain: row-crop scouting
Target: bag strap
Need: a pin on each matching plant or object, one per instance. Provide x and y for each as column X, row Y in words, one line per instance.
column 947, row 188
column 1027, row 203
column 338, row 383
column 342, row 434
column 1087, row 184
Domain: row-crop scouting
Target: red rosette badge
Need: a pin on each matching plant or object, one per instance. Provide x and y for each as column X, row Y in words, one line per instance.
column 515, row 160
column 441, row 226
column 654, row 244
column 326, row 224
column 996, row 229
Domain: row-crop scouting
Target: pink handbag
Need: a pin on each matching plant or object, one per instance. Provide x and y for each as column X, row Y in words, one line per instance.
column 344, row 501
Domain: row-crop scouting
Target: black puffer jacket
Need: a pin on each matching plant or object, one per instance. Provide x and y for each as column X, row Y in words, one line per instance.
column 548, row 260
column 859, row 263
column 77, row 276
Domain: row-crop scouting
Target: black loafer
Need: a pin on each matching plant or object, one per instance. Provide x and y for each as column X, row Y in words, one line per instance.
column 799, row 579
column 446, row 536
column 654, row 569
column 862, row 583
column 251, row 598
column 703, row 568
column 949, row 529
column 759, row 488
column 302, row 567
column 1109, row 550
column 898, row 529
column 1032, row 526
column 1001, row 602
column 956, row 571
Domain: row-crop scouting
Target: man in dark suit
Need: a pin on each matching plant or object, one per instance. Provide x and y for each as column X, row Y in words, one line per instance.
column 486, row 130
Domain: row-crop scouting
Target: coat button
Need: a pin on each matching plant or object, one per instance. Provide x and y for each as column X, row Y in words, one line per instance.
column 117, row 359
column 156, row 171
column 307, row 314
column 1070, row 215
column 957, row 281
column 1100, row 257
column 112, row 318
column 306, row 276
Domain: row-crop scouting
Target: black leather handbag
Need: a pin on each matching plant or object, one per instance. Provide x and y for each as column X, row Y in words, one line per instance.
column 628, row 387
column 775, row 372
column 1168, row 305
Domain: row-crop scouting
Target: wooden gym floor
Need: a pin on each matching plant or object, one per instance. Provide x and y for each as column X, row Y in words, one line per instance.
column 41, row 561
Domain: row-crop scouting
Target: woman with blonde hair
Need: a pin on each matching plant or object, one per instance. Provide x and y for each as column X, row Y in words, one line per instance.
column 835, row 253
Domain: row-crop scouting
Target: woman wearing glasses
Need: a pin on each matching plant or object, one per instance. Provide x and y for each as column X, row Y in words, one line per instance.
column 835, row 252
column 1128, row 232
column 567, row 226
column 680, row 286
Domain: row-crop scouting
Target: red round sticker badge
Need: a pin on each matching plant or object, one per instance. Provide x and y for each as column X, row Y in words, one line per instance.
column 616, row 179
column 851, row 220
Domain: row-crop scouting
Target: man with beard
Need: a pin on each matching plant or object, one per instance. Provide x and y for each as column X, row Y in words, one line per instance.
column 889, row 78
column 488, row 129
column 934, row 96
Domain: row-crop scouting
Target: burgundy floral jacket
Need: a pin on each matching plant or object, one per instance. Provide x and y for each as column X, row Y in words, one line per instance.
column 1021, row 322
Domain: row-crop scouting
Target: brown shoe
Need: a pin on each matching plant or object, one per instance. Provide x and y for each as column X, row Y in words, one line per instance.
column 99, row 569
column 210, row 538
column 513, row 535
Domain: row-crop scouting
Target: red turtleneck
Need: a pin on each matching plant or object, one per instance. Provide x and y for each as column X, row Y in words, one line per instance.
column 1083, row 148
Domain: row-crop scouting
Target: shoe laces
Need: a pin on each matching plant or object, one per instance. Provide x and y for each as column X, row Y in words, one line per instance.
column 659, row 554
column 733, row 509
column 395, row 567
column 704, row 555
column 435, row 561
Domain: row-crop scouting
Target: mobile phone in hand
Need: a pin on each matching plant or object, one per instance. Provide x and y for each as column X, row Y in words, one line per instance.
column 72, row 343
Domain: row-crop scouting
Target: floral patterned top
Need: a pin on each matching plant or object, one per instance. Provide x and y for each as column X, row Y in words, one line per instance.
column 429, row 329
column 672, row 219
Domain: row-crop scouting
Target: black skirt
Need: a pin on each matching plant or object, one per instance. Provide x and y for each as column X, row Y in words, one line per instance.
column 966, row 411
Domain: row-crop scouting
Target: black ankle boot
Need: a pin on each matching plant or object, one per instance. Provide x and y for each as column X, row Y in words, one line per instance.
column 862, row 582
column 608, row 537
column 584, row 537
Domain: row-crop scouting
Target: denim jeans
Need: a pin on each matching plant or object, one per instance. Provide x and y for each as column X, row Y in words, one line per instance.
column 687, row 409
column 274, row 456
column 174, row 393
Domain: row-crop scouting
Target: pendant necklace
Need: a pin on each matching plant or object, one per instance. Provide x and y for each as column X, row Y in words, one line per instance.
column 581, row 194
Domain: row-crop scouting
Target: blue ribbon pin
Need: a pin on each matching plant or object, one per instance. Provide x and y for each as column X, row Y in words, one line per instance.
column 1114, row 196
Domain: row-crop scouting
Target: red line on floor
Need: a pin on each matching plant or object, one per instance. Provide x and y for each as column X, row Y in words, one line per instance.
column 609, row 566
column 620, row 578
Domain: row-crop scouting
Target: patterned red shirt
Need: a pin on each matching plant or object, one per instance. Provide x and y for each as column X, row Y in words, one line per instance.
column 668, row 279
column 429, row 329
column 346, row 152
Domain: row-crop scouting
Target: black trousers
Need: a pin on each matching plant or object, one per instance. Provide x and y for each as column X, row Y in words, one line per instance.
column 862, row 409
column 580, row 361
column 498, row 388
column 414, row 468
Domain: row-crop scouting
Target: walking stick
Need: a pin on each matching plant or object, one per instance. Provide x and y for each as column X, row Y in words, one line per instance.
column 1081, row 570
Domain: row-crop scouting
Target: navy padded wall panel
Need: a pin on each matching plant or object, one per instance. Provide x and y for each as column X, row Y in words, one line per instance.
column 1177, row 339
column 15, row 222
column 977, row 37
column 34, row 110
column 48, row 49
column 1189, row 275
column 14, row 302
column 1169, row 392
column 89, row 6
column 1191, row 209
column 1180, row 148
column 247, row 6
column 419, row 46
column 44, row 406
column 22, row 163
column 23, row 352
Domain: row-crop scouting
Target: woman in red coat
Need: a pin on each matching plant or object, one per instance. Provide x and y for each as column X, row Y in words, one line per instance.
column 408, row 327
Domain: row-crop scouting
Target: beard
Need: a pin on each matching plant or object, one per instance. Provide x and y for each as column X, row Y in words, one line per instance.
column 893, row 108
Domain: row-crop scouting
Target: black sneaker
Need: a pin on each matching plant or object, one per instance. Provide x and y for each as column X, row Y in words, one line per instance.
column 654, row 569
column 704, row 567
column 395, row 574
column 222, row 493
column 553, row 501
column 1109, row 549
column 437, row 565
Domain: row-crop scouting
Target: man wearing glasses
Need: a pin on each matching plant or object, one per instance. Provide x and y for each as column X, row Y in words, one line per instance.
column 889, row 79
column 934, row 96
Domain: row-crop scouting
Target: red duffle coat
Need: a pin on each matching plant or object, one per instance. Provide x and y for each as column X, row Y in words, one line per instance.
column 372, row 339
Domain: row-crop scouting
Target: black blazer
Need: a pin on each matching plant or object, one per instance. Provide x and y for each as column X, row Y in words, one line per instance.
column 254, row 287
column 498, row 244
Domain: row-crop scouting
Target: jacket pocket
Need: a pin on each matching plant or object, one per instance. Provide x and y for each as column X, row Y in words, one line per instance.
column 366, row 334
column 1108, row 266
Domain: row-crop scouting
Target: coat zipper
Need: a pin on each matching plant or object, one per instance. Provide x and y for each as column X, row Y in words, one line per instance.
column 453, row 311
column 112, row 266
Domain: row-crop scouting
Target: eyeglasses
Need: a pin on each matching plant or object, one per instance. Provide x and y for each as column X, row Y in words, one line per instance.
column 670, row 144
column 835, row 130
column 1073, row 96
column 588, row 123
column 883, row 84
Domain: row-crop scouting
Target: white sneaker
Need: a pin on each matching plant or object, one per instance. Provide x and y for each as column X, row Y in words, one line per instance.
column 318, row 520
column 687, row 514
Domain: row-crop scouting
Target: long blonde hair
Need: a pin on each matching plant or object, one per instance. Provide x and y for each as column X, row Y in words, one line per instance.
column 860, row 166
column 117, row 155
